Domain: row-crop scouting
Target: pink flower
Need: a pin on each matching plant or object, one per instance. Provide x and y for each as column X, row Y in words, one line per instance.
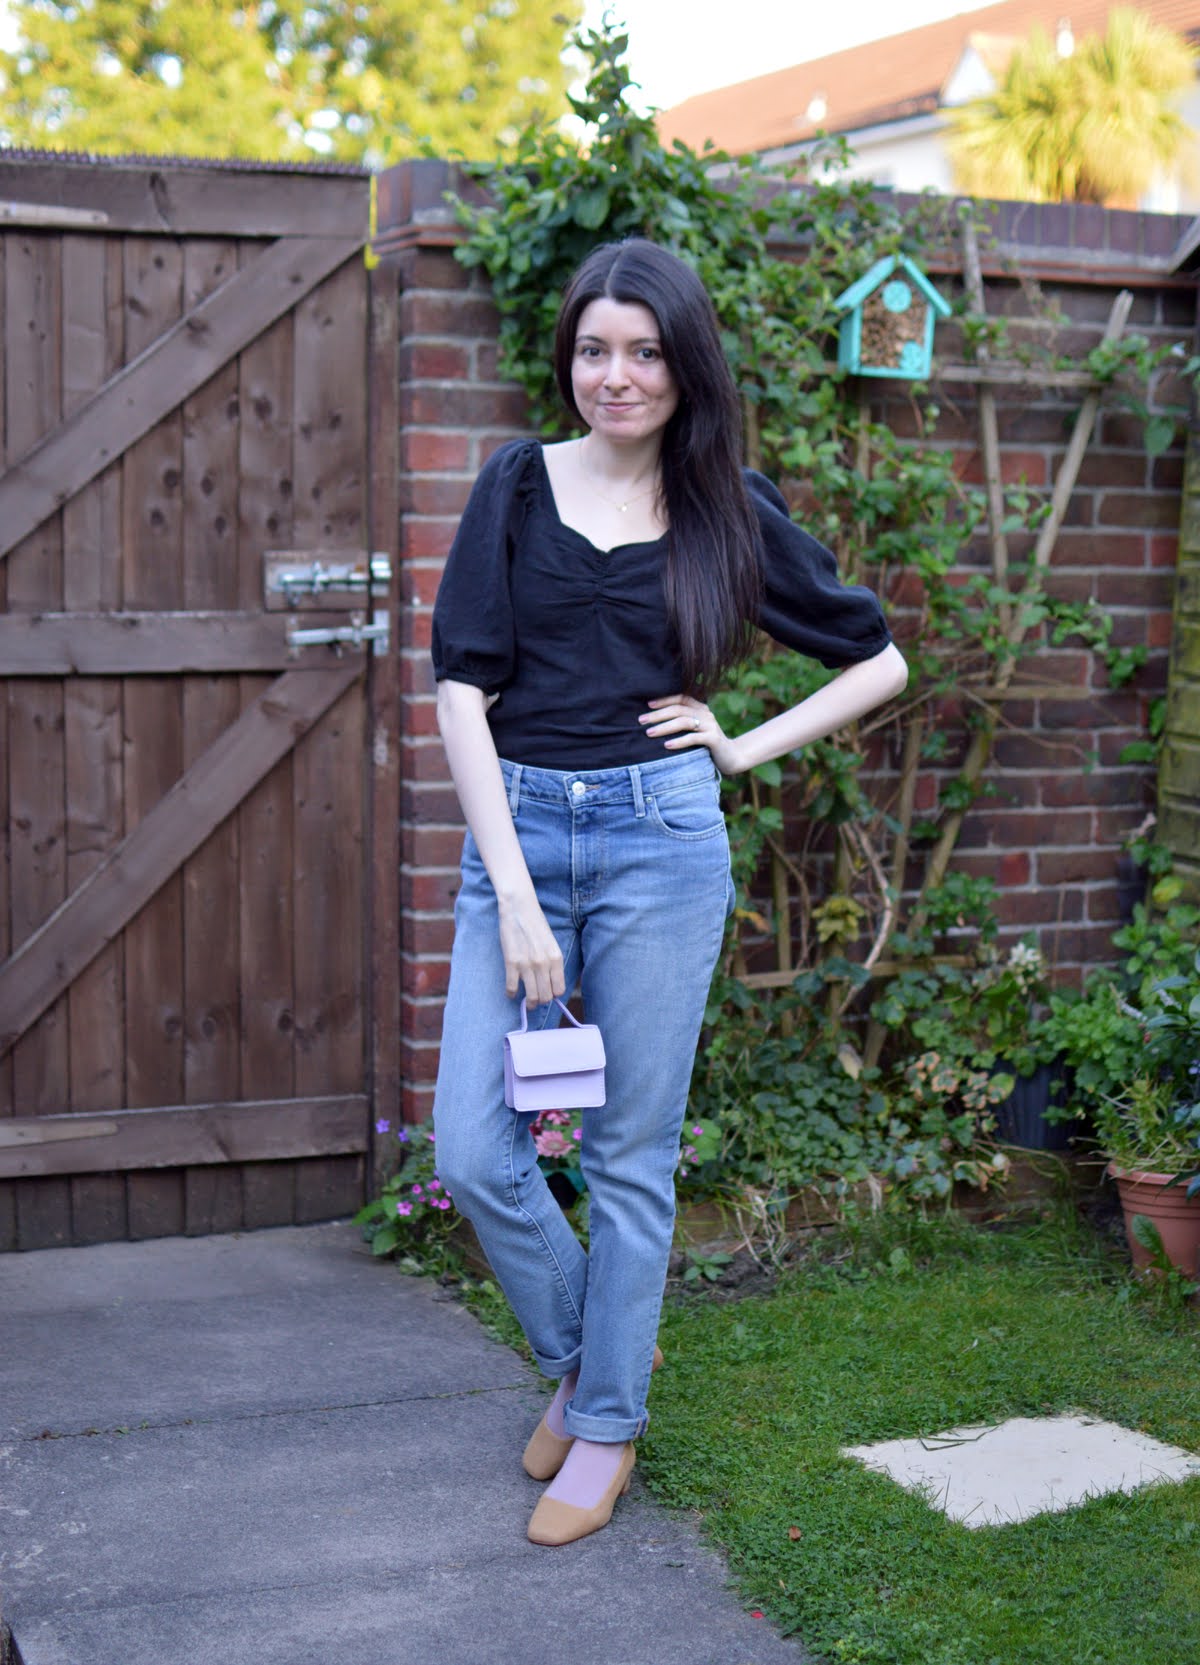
column 416, row 1190
column 578, row 1133
column 551, row 1143
column 441, row 1202
column 403, row 1208
column 435, row 1184
column 697, row 1132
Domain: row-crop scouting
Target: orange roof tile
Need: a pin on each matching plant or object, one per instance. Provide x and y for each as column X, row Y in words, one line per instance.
column 882, row 80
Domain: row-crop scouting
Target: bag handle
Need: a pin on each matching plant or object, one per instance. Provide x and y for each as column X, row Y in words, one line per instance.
column 566, row 1011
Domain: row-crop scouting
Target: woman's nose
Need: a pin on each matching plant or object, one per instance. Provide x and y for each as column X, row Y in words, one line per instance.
column 617, row 374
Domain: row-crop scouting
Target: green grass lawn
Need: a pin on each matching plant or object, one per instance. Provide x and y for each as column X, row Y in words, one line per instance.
column 912, row 1330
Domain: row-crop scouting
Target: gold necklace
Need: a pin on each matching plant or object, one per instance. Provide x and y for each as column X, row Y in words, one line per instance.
column 619, row 507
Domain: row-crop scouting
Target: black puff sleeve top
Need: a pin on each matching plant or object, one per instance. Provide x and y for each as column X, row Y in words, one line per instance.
column 575, row 640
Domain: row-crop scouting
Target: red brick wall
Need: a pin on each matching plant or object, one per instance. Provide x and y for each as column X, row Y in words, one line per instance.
column 1052, row 834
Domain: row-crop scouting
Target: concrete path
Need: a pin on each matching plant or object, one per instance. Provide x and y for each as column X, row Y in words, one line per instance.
column 269, row 1449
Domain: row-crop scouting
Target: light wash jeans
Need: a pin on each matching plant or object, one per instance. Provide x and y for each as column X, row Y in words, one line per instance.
column 631, row 867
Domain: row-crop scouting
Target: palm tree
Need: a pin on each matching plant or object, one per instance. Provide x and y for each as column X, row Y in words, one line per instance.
column 1095, row 126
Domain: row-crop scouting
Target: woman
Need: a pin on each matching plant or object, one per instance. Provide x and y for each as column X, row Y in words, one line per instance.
column 595, row 589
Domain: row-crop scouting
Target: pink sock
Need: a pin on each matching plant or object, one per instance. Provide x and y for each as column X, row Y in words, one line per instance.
column 587, row 1473
column 554, row 1416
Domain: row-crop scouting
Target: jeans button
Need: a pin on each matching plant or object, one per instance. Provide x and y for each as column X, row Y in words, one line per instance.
column 578, row 788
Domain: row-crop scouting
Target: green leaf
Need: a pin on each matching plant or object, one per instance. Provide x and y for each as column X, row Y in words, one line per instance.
column 590, row 208
column 1138, row 751
column 385, row 1241
column 1158, row 434
column 1146, row 1234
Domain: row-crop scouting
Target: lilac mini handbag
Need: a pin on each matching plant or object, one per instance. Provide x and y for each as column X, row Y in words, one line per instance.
column 554, row 1069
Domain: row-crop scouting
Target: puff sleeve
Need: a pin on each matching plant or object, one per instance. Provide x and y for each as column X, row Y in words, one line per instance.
column 474, row 637
column 805, row 604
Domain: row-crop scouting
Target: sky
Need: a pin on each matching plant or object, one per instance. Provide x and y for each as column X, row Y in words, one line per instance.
column 681, row 47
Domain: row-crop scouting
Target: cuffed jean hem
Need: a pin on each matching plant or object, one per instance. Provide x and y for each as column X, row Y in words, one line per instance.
column 604, row 1430
column 557, row 1368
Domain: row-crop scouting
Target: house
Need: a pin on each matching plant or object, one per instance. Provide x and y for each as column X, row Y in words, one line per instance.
column 889, row 97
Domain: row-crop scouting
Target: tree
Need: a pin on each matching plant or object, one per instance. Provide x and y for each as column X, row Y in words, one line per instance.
column 1094, row 126
column 284, row 80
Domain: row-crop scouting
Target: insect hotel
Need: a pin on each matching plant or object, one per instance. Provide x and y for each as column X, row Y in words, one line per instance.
column 887, row 321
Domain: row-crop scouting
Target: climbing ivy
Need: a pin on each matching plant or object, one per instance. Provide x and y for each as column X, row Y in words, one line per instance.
column 848, row 845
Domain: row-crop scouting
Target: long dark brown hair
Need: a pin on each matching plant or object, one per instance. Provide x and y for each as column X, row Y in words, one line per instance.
column 713, row 578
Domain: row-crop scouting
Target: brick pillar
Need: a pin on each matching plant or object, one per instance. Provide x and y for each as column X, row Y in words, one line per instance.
column 454, row 412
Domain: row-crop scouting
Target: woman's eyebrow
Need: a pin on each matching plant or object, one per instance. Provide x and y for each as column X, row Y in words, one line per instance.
column 638, row 341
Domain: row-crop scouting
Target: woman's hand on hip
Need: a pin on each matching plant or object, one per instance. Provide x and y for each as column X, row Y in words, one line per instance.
column 681, row 721
column 532, row 957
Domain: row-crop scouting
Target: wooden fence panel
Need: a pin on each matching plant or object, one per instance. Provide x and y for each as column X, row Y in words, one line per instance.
column 93, row 343
column 137, row 648
column 152, row 547
column 8, row 1204
column 37, row 786
column 211, row 704
column 329, row 508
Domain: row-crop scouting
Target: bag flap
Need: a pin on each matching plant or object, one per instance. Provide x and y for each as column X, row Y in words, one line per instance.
column 556, row 1051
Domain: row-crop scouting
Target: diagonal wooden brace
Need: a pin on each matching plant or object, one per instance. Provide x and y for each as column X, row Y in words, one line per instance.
column 49, row 961
column 161, row 378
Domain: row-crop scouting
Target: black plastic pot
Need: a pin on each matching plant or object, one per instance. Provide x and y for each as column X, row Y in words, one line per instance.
column 1021, row 1117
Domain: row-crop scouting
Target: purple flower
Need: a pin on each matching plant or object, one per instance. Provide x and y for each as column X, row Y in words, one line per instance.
column 382, row 1127
column 402, row 1135
column 697, row 1132
column 403, row 1208
column 435, row 1184
column 430, row 1137
column 416, row 1190
column 578, row 1133
column 442, row 1202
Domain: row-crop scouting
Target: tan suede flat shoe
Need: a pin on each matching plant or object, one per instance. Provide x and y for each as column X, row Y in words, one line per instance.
column 554, row 1523
column 547, row 1451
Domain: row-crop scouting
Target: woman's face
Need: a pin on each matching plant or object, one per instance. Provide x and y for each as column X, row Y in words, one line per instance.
column 623, row 388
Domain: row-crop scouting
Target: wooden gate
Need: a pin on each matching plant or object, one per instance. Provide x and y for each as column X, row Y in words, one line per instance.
column 198, row 890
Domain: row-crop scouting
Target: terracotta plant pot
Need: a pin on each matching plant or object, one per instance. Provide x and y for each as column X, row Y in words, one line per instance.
column 1175, row 1214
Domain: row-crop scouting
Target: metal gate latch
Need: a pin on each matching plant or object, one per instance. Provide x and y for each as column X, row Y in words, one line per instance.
column 317, row 577
column 339, row 637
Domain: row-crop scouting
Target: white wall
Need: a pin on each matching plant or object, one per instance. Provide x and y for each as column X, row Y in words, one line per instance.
column 918, row 161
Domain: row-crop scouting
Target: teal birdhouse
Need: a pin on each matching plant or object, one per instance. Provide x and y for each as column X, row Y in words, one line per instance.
column 887, row 321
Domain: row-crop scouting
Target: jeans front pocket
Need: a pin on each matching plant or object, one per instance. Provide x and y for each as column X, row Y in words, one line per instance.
column 690, row 813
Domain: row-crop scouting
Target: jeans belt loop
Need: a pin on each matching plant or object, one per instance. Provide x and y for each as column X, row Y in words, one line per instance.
column 514, row 788
column 639, row 802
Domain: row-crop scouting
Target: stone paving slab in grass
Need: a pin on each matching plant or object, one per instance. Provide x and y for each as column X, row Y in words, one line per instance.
column 329, row 1470
column 993, row 1476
